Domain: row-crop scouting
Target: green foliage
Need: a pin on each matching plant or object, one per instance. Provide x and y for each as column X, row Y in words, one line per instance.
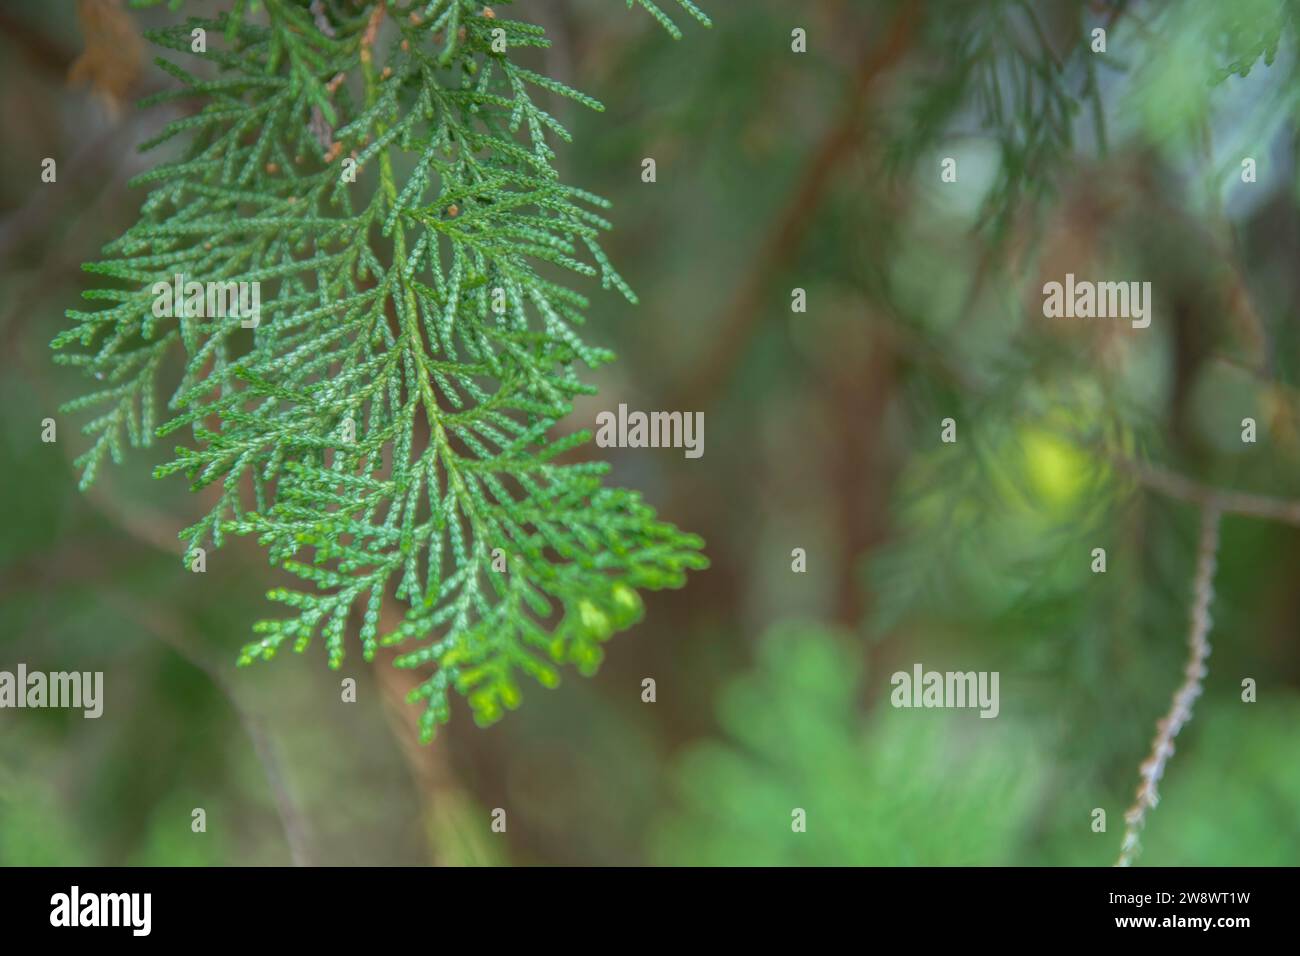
column 30, row 835
column 1000, row 70
column 169, row 843
column 666, row 21
column 1241, row 34
column 898, row 788
column 386, row 428
column 1015, row 502
column 1006, row 77
column 1188, row 79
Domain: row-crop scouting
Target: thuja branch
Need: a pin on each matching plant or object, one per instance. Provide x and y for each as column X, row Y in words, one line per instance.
column 1180, row 710
column 382, row 178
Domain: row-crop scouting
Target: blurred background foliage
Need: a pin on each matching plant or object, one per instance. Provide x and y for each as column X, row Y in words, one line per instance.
column 776, row 170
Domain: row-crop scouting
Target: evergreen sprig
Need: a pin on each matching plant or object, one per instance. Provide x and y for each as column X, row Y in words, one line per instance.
column 386, row 428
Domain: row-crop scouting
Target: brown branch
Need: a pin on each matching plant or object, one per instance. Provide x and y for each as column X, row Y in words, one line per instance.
column 858, row 395
column 796, row 218
column 1180, row 710
column 1185, row 489
column 33, row 44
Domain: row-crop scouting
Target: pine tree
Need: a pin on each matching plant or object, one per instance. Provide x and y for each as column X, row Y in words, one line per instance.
column 383, row 420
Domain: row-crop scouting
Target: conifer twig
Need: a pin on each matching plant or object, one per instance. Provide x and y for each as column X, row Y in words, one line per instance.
column 1180, row 710
column 408, row 306
column 1220, row 500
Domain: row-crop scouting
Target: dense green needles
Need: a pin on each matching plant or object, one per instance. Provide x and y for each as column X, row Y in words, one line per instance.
column 382, row 172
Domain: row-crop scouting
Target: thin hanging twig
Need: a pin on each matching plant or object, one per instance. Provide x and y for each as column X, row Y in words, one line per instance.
column 1180, row 710
column 172, row 632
